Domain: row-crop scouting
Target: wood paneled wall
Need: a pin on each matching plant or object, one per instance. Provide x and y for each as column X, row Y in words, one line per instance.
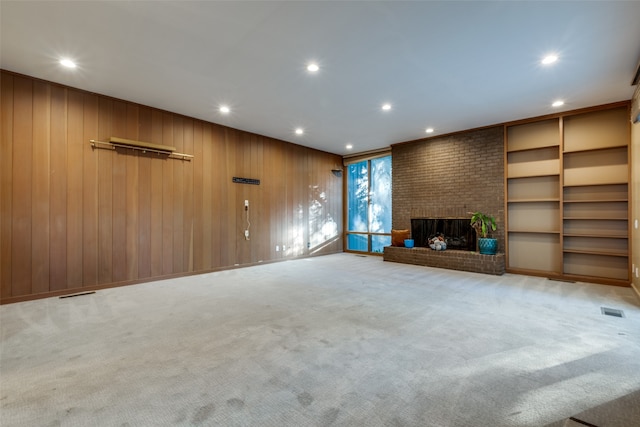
column 76, row 218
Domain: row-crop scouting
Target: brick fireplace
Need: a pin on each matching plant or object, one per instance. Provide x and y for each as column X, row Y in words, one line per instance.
column 447, row 177
column 460, row 253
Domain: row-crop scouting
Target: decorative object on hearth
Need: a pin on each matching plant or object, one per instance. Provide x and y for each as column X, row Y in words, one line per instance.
column 484, row 224
column 437, row 243
column 399, row 236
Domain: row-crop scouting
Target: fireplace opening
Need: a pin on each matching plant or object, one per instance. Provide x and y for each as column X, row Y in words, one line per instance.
column 458, row 233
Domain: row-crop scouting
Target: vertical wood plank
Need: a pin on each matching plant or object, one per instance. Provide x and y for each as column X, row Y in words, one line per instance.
column 316, row 208
column 178, row 196
column 274, row 175
column 273, row 194
column 266, row 237
column 198, row 197
column 298, row 210
column 309, row 197
column 105, row 194
column 341, row 214
column 167, row 197
column 334, row 189
column 284, row 225
column 132, row 195
column 156, row 197
column 254, row 197
column 217, row 180
column 21, row 201
column 331, row 190
column 74, row 188
column 58, row 214
column 243, row 165
column 283, row 208
column 229, row 221
column 319, row 182
column 144, row 196
column 338, row 206
column 312, row 204
column 279, row 194
column 188, row 198
column 40, row 196
column 6, row 181
column 302, row 205
column 22, row 190
column 90, row 191
column 119, row 194
column 260, row 246
column 209, row 183
column 291, row 200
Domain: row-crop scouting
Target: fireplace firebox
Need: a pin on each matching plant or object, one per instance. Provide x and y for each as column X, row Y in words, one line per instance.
column 458, row 233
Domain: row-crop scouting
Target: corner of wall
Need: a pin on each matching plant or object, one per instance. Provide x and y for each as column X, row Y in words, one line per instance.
column 635, row 197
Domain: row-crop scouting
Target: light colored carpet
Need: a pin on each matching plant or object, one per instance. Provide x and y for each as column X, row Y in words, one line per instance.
column 335, row 340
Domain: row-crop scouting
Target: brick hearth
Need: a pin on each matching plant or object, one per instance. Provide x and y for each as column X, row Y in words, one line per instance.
column 451, row 259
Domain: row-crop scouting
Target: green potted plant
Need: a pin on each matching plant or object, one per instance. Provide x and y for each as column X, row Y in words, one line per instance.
column 484, row 224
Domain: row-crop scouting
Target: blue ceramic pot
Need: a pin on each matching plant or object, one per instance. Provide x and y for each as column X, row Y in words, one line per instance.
column 488, row 245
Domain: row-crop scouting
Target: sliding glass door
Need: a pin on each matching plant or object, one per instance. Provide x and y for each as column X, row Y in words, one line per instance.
column 369, row 205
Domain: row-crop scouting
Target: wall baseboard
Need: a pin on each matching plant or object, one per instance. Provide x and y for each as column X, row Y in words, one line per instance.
column 90, row 288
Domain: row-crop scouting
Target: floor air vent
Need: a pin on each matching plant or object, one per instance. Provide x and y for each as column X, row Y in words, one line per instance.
column 77, row 295
column 612, row 312
column 578, row 422
column 555, row 279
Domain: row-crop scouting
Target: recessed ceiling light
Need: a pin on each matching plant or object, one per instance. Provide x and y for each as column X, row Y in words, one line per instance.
column 68, row 63
column 224, row 109
column 557, row 103
column 549, row 59
column 386, row 107
column 348, row 146
column 429, row 130
column 299, row 131
column 313, row 67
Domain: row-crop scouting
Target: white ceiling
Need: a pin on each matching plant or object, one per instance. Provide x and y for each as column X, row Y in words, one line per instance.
column 449, row 65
